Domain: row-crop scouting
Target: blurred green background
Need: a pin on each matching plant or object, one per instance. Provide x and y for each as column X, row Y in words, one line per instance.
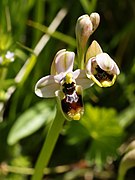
column 93, row 147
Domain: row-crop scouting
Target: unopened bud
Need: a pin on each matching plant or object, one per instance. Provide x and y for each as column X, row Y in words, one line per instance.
column 83, row 30
column 95, row 19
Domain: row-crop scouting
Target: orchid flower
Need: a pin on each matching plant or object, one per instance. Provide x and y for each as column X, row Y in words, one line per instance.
column 100, row 67
column 65, row 84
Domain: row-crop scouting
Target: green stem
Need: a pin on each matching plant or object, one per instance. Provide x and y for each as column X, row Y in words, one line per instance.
column 48, row 145
column 121, row 173
column 3, row 72
column 80, row 53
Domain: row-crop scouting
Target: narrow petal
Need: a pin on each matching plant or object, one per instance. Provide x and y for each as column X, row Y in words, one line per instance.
column 105, row 62
column 46, row 87
column 63, row 62
column 81, row 79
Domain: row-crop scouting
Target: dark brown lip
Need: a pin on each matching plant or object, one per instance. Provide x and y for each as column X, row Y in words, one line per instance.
column 102, row 75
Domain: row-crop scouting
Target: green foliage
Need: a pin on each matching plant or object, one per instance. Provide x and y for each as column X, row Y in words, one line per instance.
column 31, row 120
column 76, row 133
column 105, row 131
column 102, row 128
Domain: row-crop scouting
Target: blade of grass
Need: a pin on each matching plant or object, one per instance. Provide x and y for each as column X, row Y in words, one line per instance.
column 26, row 69
column 39, row 17
column 58, row 35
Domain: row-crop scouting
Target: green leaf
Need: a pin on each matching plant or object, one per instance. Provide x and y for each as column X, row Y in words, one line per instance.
column 105, row 131
column 31, row 120
column 76, row 133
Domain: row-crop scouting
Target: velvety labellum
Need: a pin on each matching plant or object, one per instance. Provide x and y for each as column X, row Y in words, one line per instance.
column 72, row 104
